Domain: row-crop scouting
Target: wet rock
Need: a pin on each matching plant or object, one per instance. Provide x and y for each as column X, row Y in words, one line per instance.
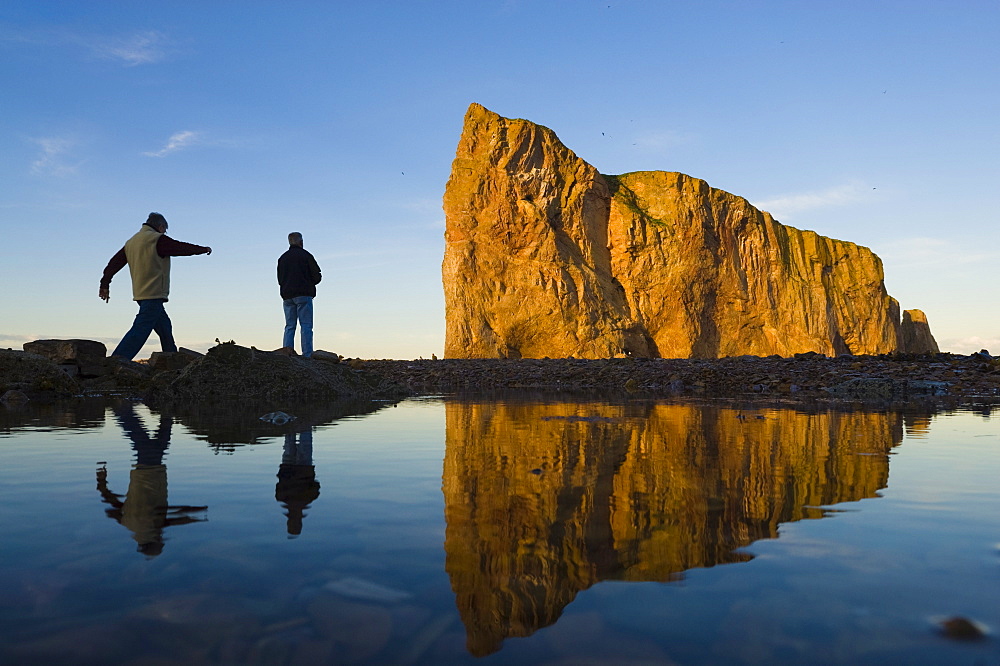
column 922, row 387
column 277, row 418
column 14, row 397
column 962, row 629
column 868, row 388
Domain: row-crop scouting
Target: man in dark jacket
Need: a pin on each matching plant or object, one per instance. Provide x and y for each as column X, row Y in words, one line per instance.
column 298, row 275
column 148, row 254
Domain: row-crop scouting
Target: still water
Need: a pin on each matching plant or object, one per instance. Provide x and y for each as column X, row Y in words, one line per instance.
column 445, row 531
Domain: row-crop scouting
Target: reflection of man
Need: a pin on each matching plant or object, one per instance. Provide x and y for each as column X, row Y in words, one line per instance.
column 297, row 486
column 144, row 509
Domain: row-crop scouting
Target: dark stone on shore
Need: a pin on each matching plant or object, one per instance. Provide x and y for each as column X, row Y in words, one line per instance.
column 167, row 361
column 68, row 351
column 84, row 358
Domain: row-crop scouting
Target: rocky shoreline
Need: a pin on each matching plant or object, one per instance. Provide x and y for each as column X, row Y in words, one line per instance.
column 49, row 370
column 55, row 369
column 803, row 378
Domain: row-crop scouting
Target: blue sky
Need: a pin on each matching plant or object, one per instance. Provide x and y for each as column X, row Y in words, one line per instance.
column 873, row 122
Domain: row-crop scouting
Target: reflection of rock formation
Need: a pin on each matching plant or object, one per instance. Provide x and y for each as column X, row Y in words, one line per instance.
column 543, row 501
column 76, row 414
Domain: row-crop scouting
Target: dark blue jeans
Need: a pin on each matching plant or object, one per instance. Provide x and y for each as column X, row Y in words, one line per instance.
column 151, row 317
column 299, row 309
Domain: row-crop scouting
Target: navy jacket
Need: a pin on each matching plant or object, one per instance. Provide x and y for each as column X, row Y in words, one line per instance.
column 298, row 273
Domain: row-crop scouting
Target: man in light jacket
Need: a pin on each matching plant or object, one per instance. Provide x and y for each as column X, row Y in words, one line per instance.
column 298, row 275
column 148, row 254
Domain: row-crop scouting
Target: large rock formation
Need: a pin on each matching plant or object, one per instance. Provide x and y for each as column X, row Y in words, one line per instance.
column 545, row 256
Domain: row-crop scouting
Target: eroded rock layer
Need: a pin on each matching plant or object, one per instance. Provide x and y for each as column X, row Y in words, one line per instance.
column 545, row 256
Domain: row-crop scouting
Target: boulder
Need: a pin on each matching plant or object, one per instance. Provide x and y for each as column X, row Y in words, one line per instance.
column 86, row 358
column 546, row 257
column 78, row 352
column 166, row 361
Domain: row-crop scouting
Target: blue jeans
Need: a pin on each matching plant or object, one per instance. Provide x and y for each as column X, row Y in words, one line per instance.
column 151, row 317
column 299, row 309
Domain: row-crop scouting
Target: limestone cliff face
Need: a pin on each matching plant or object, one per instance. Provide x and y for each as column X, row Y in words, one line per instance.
column 542, row 501
column 545, row 256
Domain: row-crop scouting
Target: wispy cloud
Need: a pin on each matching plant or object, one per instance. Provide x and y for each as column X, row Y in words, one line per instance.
column 13, row 340
column 177, row 141
column 923, row 251
column 137, row 48
column 141, row 48
column 785, row 206
column 53, row 156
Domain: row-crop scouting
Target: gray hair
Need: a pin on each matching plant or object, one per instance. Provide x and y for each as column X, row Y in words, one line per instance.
column 295, row 238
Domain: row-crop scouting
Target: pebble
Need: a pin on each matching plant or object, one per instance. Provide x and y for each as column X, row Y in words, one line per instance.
column 962, row 629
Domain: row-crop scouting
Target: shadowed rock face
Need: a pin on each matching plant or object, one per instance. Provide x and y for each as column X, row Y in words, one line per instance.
column 544, row 256
column 915, row 334
column 542, row 501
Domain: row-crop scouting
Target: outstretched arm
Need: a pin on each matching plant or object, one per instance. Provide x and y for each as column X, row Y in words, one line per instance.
column 107, row 496
column 116, row 264
column 168, row 247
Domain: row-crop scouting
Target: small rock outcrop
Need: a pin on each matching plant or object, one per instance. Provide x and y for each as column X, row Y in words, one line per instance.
column 230, row 371
column 64, row 368
column 915, row 334
column 546, row 257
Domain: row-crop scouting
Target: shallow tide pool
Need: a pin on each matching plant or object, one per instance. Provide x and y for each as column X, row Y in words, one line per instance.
column 546, row 531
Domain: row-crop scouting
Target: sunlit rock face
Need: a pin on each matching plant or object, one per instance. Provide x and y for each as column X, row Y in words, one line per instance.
column 544, row 256
column 544, row 501
column 915, row 334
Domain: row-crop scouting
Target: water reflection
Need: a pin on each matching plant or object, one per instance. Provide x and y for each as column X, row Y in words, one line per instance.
column 78, row 415
column 144, row 508
column 543, row 501
column 297, row 485
column 227, row 426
